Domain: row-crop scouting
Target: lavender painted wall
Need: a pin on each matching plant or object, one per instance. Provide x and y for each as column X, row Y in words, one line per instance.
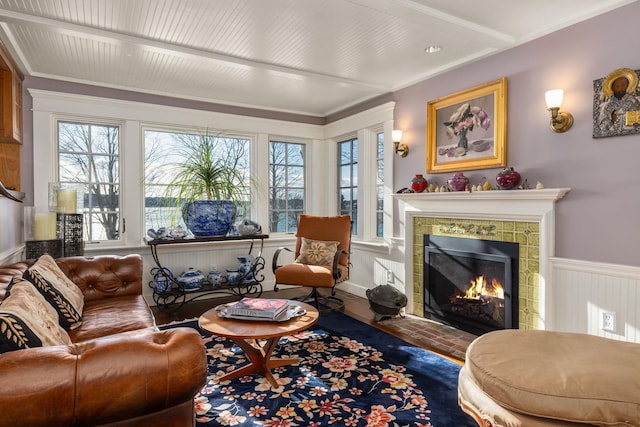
column 598, row 219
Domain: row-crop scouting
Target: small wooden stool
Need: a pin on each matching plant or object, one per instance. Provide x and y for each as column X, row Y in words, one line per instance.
column 519, row 378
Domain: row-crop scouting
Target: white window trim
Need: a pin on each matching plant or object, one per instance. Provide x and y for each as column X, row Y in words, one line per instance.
column 133, row 117
column 366, row 124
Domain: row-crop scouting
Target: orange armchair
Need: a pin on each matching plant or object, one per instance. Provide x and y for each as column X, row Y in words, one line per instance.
column 321, row 258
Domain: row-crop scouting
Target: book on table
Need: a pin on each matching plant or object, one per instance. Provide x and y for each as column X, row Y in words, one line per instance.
column 262, row 308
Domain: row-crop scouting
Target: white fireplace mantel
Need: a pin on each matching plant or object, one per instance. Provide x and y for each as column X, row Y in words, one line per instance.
column 506, row 205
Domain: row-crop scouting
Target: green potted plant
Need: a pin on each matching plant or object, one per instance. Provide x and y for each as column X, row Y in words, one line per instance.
column 207, row 186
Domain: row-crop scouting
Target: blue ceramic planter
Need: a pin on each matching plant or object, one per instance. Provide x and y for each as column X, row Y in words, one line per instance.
column 206, row 218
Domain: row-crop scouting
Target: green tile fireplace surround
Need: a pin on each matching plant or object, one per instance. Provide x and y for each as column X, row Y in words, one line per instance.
column 526, row 234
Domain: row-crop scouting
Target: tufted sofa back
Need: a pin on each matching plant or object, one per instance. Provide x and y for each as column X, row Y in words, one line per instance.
column 98, row 277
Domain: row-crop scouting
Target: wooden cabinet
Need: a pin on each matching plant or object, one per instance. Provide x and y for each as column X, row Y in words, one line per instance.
column 10, row 120
column 11, row 123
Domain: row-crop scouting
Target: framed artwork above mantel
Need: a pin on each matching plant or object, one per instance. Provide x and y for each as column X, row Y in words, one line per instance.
column 467, row 129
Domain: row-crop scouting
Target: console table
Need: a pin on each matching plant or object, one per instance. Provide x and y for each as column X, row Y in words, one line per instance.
column 169, row 294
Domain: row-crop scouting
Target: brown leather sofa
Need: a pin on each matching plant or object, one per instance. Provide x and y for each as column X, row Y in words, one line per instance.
column 120, row 369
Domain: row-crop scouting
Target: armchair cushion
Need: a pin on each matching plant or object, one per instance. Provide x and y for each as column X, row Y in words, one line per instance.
column 317, row 276
column 27, row 320
column 317, row 252
column 57, row 290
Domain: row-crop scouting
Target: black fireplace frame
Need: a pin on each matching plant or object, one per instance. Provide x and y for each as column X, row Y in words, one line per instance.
column 506, row 253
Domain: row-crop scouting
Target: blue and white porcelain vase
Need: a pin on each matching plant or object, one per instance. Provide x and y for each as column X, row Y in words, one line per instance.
column 233, row 277
column 206, row 218
column 245, row 267
column 191, row 279
column 214, row 277
column 162, row 280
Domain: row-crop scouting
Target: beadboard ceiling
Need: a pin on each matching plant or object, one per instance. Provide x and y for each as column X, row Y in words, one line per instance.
column 312, row 57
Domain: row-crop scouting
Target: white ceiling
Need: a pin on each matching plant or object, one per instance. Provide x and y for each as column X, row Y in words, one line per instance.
column 313, row 57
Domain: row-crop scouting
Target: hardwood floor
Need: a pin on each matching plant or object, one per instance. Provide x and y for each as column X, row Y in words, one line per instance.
column 442, row 339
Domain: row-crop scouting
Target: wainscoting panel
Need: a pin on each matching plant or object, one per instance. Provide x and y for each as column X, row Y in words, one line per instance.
column 582, row 291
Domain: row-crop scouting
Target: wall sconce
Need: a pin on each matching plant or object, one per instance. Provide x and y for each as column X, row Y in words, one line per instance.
column 560, row 121
column 401, row 149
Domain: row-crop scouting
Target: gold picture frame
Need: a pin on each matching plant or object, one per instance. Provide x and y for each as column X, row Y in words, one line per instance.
column 467, row 130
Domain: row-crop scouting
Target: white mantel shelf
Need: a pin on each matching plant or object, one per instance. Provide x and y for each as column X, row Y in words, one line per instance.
column 523, row 205
column 499, row 205
column 543, row 194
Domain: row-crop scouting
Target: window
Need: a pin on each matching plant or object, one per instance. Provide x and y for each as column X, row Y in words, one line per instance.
column 163, row 149
column 286, row 185
column 379, row 183
column 348, row 180
column 88, row 159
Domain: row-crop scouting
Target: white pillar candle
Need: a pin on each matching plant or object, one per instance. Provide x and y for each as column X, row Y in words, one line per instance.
column 67, row 201
column 44, row 226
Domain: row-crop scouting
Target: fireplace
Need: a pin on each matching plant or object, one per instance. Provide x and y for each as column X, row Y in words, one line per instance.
column 471, row 284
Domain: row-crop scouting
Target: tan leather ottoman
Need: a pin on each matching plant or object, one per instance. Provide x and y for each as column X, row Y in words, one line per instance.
column 520, row 378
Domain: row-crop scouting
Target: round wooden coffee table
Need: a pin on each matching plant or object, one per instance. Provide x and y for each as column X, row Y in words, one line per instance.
column 258, row 339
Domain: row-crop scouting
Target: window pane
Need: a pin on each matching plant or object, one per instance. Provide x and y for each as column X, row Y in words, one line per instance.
column 295, row 177
column 295, row 154
column 380, row 184
column 348, row 179
column 88, row 160
column 286, row 185
column 164, row 150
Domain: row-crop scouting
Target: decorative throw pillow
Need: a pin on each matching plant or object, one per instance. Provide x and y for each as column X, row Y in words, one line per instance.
column 58, row 290
column 27, row 320
column 317, row 252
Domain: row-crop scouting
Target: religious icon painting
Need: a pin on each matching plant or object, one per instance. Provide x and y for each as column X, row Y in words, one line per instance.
column 616, row 104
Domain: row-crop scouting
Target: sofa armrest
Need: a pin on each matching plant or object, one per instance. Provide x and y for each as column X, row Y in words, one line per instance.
column 102, row 381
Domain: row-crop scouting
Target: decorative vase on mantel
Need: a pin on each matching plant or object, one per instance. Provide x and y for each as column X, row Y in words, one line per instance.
column 419, row 184
column 459, row 182
column 508, row 178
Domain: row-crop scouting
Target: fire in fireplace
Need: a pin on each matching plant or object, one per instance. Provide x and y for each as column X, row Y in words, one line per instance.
column 471, row 284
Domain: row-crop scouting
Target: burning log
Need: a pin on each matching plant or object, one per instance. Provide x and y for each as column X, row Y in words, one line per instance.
column 481, row 301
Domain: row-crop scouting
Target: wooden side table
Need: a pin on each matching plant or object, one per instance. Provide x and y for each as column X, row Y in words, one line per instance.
column 258, row 339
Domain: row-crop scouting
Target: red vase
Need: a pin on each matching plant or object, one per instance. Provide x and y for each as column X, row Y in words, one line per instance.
column 508, row 178
column 419, row 184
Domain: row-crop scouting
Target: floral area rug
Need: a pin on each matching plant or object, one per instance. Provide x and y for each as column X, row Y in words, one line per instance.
column 350, row 374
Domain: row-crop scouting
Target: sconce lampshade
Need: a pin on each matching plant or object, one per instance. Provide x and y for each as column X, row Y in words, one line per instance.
column 561, row 121
column 401, row 149
column 554, row 98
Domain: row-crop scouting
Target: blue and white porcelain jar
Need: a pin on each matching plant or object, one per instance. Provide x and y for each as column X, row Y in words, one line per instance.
column 191, row 279
column 214, row 277
column 233, row 277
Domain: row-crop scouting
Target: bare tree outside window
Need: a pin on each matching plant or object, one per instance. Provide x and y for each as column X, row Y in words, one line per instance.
column 88, row 159
column 286, row 185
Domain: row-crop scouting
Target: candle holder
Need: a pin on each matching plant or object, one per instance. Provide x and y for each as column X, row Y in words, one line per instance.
column 40, row 224
column 71, row 230
column 42, row 233
column 35, row 248
column 53, row 196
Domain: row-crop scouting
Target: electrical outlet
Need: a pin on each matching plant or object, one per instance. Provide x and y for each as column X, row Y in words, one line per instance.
column 609, row 321
column 389, row 276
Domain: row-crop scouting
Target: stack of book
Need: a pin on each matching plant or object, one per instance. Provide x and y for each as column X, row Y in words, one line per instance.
column 257, row 308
